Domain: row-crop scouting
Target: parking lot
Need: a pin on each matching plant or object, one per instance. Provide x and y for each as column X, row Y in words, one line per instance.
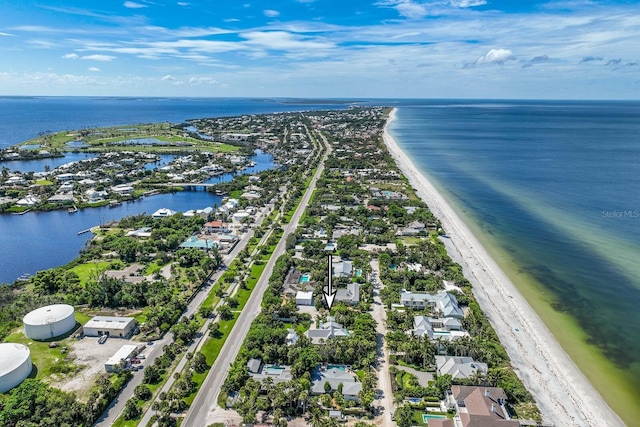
column 92, row 357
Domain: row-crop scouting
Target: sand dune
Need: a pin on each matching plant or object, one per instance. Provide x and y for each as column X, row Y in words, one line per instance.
column 564, row 395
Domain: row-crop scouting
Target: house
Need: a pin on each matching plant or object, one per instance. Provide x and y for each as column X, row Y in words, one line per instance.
column 29, row 200
column 16, row 180
column 216, row 227
column 477, row 407
column 198, row 243
column 61, row 199
column 412, row 229
column 459, row 367
column 342, row 269
column 334, row 377
column 304, row 298
column 444, row 302
column 163, row 213
column 259, row 371
column 447, row 328
column 351, row 295
column 122, row 189
column 326, row 330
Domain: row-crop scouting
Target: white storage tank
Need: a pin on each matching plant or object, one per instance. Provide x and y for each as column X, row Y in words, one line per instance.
column 48, row 322
column 15, row 365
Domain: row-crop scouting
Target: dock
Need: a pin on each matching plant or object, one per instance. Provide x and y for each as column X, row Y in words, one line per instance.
column 88, row 230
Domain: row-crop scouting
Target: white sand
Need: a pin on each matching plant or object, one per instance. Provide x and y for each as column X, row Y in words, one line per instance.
column 563, row 394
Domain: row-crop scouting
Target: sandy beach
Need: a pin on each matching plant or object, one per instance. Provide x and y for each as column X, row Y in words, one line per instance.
column 563, row 394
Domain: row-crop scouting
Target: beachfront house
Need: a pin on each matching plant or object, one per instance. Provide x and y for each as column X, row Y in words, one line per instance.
column 443, row 302
column 459, row 368
column 476, row 406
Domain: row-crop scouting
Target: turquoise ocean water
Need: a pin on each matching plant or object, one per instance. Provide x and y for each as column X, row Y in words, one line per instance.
column 555, row 186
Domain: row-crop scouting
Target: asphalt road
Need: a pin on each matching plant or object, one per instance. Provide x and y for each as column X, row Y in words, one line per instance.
column 116, row 407
column 208, row 395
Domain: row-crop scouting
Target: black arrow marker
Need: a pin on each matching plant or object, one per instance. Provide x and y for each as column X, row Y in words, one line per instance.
column 330, row 294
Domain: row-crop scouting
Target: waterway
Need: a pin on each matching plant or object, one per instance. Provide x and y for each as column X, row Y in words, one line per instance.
column 40, row 240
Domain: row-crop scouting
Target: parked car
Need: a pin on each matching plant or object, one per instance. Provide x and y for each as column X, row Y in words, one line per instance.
column 103, row 339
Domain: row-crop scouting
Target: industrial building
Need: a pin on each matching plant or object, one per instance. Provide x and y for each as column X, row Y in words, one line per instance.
column 48, row 322
column 119, row 359
column 119, row 327
column 15, row 365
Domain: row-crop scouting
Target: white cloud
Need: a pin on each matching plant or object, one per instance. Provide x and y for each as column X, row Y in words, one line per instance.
column 101, row 58
column 410, row 9
column 467, row 3
column 133, row 5
column 94, row 69
column 5, row 34
column 282, row 40
column 183, row 4
column 70, row 56
column 168, row 78
column 271, row 13
column 496, row 56
column 202, row 81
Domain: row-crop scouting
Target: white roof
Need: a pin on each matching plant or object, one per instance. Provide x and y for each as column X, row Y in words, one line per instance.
column 124, row 352
column 49, row 314
column 108, row 322
column 304, row 295
column 12, row 356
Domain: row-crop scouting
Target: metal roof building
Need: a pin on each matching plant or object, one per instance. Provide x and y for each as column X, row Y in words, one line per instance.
column 119, row 327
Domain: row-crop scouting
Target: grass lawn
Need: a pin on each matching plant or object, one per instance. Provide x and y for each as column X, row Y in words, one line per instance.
column 85, row 270
column 43, row 357
column 417, row 418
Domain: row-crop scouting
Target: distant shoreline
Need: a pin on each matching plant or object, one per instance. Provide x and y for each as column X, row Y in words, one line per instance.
column 563, row 394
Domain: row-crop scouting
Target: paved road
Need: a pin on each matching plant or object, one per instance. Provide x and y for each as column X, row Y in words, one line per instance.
column 384, row 380
column 207, row 397
column 200, row 339
column 116, row 407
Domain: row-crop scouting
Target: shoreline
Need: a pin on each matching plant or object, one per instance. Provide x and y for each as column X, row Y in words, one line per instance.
column 564, row 395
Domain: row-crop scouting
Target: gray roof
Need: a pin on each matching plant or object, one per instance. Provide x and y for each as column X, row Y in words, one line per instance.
column 334, row 376
column 328, row 329
column 350, row 295
column 459, row 367
column 342, row 268
column 254, row 365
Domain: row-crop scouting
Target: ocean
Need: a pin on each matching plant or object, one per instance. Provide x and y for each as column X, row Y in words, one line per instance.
column 553, row 190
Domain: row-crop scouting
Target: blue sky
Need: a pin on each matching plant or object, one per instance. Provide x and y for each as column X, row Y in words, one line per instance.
column 572, row 49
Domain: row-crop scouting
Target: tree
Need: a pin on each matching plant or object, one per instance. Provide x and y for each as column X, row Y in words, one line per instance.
column 199, row 363
column 214, row 330
column 142, row 392
column 404, row 416
column 225, row 313
column 151, row 375
column 131, row 410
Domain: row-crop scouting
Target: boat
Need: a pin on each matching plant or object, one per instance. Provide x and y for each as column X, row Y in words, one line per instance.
column 72, row 210
column 24, row 277
column 114, row 203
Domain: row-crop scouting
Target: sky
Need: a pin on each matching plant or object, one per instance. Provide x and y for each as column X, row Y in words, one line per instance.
column 508, row 49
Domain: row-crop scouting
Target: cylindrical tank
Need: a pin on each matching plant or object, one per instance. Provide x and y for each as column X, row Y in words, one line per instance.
column 15, row 365
column 48, row 322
